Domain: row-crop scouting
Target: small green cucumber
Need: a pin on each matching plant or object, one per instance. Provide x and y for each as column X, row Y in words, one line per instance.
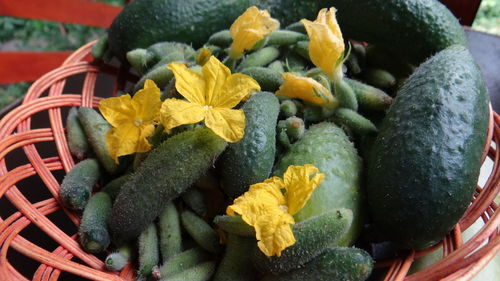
column 379, row 78
column 200, row 272
column 277, row 66
column 77, row 140
column 139, row 59
column 149, row 254
column 221, row 38
column 354, row 121
column 168, row 171
column 114, row 187
column 346, row 96
column 93, row 231
column 294, row 62
column 100, row 47
column 295, row 128
column 268, row 79
column 282, row 37
column 260, row 57
column 77, row 185
column 368, row 97
column 183, row 261
column 236, row 264
column 161, row 50
column 378, row 57
column 335, row 264
column 302, row 49
column 297, row 27
column 95, row 128
column 159, row 73
column 251, row 159
column 281, row 135
column 200, row 231
column 353, row 64
column 195, row 200
column 117, row 260
column 313, row 236
column 234, row 225
column 169, row 232
column 288, row 109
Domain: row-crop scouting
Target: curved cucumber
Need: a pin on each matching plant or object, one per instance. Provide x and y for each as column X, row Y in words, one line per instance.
column 168, row 171
column 93, row 231
column 327, row 147
column 430, row 145
column 250, row 160
column 77, row 185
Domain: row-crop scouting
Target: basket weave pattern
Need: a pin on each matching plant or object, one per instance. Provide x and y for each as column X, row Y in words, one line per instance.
column 17, row 132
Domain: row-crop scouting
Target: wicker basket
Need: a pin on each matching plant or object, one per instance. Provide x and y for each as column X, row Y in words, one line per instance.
column 20, row 135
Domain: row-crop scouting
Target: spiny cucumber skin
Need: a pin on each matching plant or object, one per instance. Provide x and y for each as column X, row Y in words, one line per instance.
column 77, row 185
column 369, row 97
column 335, row 264
column 77, row 140
column 221, row 38
column 260, row 57
column 170, row 169
column 114, row 187
column 236, row 263
column 200, row 272
column 183, row 261
column 234, row 225
column 169, row 232
column 159, row 73
column 430, row 143
column 327, row 147
column 379, row 78
column 313, row 236
column 354, row 121
column 201, row 232
column 93, row 231
column 95, row 129
column 251, row 159
column 268, row 79
column 195, row 200
column 285, row 37
column 115, row 261
column 346, row 95
column 149, row 254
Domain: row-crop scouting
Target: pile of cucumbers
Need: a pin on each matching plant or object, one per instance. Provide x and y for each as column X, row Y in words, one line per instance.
column 401, row 154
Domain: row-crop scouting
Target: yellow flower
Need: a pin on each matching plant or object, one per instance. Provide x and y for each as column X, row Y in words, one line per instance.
column 203, row 56
column 133, row 120
column 210, row 96
column 249, row 28
column 306, row 89
column 269, row 206
column 326, row 45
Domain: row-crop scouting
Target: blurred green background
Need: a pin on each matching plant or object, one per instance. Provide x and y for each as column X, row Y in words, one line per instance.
column 36, row 35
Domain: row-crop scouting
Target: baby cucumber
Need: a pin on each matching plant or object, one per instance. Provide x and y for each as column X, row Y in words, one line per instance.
column 313, row 236
column 268, row 79
column 116, row 261
column 199, row 272
column 183, row 261
column 221, row 38
column 368, row 97
column 93, row 231
column 114, row 187
column 200, row 231
column 282, row 37
column 168, row 171
column 170, row 232
column 236, row 263
column 346, row 96
column 251, row 159
column 77, row 140
column 149, row 255
column 354, row 121
column 77, row 185
column 260, row 57
column 234, row 225
column 335, row 264
column 195, row 200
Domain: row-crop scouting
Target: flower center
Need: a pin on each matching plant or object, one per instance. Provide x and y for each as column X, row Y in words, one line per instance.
column 284, row 208
column 208, row 107
column 138, row 121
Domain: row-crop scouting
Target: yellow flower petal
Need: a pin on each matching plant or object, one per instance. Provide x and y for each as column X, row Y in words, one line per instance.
column 215, row 74
column 237, row 88
column 228, row 124
column 326, row 44
column 117, row 110
column 274, row 233
column 175, row 112
column 127, row 139
column 189, row 83
column 299, row 185
column 203, row 56
column 249, row 28
column 146, row 103
column 306, row 89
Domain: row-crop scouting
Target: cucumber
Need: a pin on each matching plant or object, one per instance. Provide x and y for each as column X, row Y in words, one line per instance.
column 117, row 260
column 149, row 254
column 327, row 147
column 183, row 261
column 268, row 79
column 379, row 78
column 234, row 225
column 260, row 57
column 77, row 140
column 282, row 37
column 169, row 170
column 251, row 159
column 425, row 162
column 169, row 232
column 368, row 97
column 195, row 200
column 346, row 96
column 313, row 236
column 93, row 231
column 335, row 264
column 354, row 121
column 77, row 185
column 221, row 38
column 201, row 232
column 236, row 263
column 199, row 272
column 114, row 187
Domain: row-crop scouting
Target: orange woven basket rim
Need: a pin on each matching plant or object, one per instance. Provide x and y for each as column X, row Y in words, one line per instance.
column 461, row 260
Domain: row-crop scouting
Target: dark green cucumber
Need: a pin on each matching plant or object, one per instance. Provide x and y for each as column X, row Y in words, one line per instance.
column 195, row 200
column 327, row 147
column 148, row 252
column 346, row 96
column 200, row 272
column 114, row 187
column 201, row 231
column 77, row 140
column 183, row 261
column 236, row 263
column 425, row 162
column 95, row 128
column 77, row 185
column 168, row 171
column 415, row 29
column 354, row 121
column 379, row 78
column 313, row 236
column 251, row 159
column 282, row 37
column 170, row 232
column 268, row 79
column 260, row 57
column 335, row 264
column 93, row 230
column 234, row 225
column 221, row 38
column 368, row 97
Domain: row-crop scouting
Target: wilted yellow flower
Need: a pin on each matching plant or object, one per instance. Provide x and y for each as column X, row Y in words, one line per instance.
column 306, row 89
column 326, row 45
column 133, row 120
column 203, row 56
column 249, row 28
column 210, row 96
column 269, row 206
